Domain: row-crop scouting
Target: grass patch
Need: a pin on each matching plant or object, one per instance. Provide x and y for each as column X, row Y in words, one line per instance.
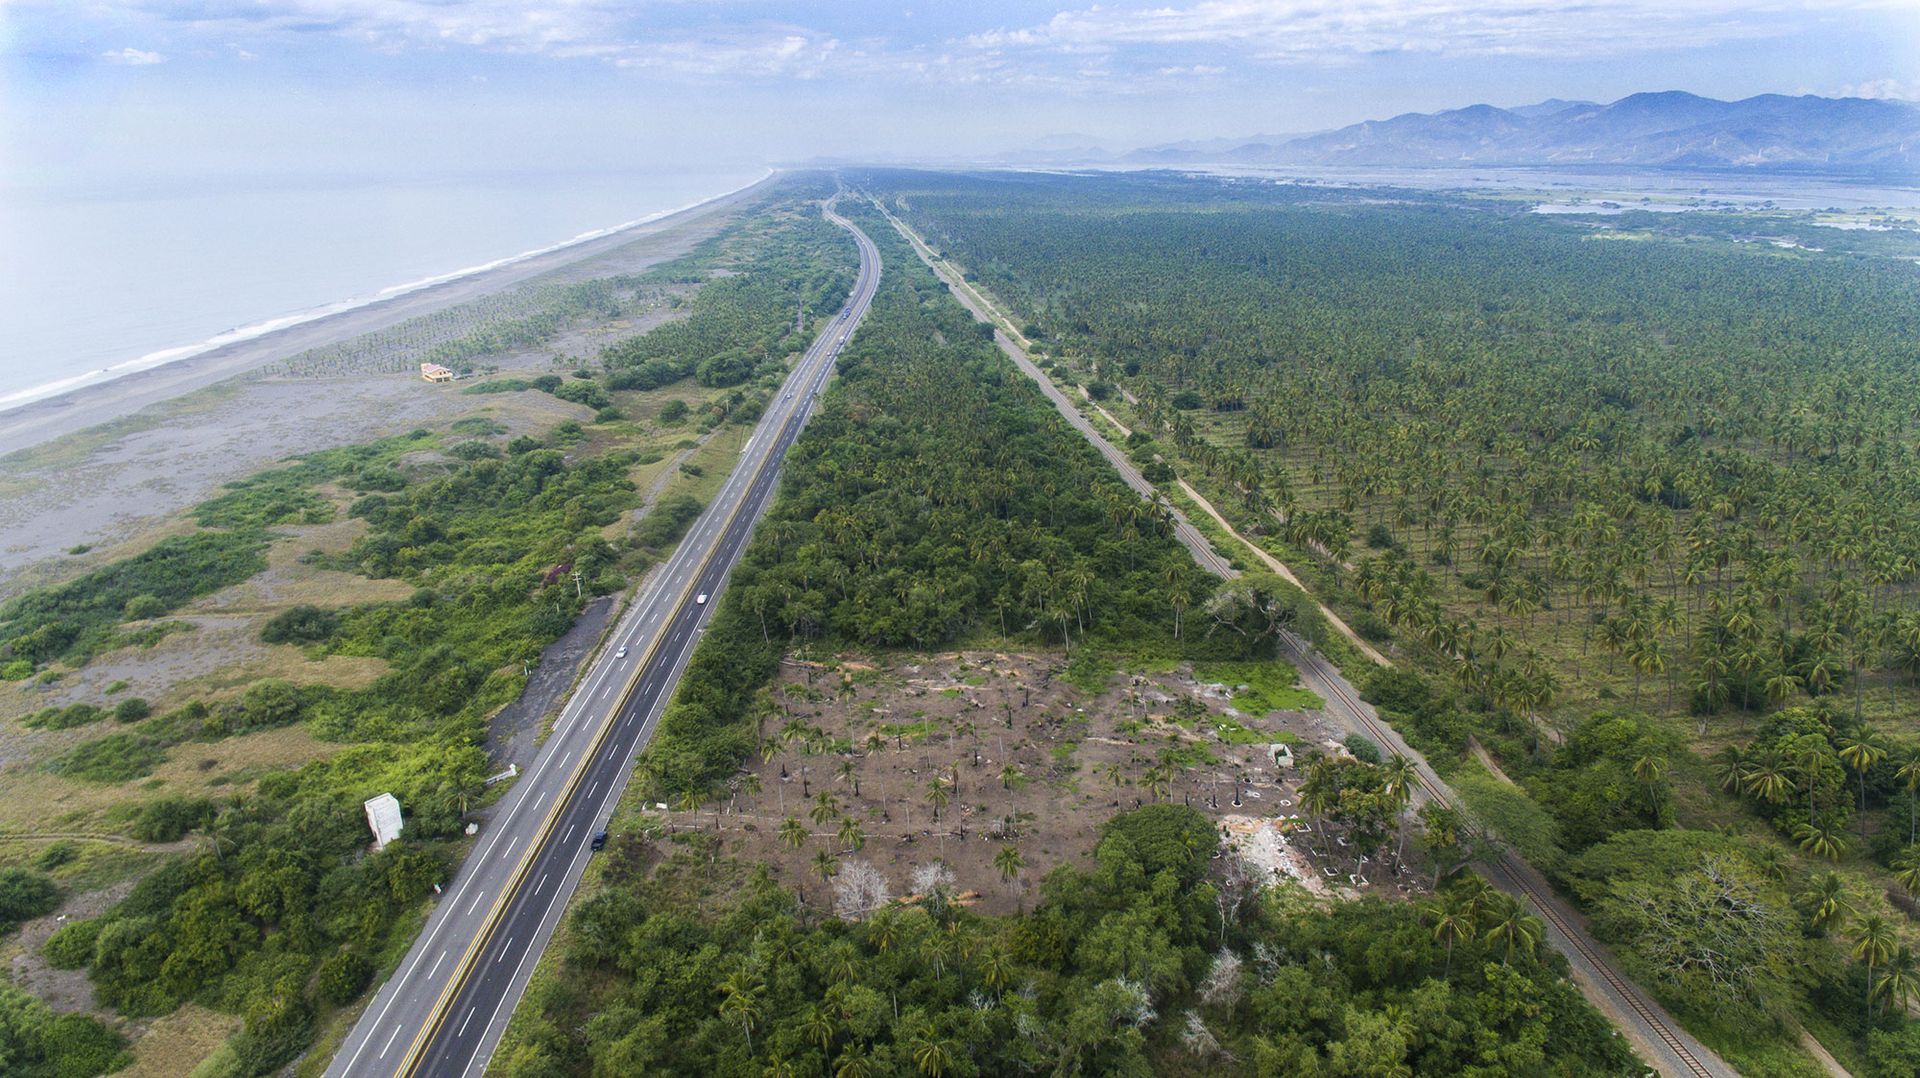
column 1261, row 687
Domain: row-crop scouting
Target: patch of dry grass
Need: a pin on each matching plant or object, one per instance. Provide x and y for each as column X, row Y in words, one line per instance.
column 39, row 801
column 174, row 1045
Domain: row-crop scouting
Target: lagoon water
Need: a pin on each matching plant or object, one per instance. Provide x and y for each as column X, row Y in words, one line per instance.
column 114, row 277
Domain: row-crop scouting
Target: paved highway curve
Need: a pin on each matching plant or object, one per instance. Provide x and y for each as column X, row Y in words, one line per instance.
column 443, row 1011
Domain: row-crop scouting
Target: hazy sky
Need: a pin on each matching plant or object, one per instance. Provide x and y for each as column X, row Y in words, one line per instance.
column 194, row 88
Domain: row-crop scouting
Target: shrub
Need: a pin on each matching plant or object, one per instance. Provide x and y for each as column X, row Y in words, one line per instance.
column 474, row 450
column 1363, row 748
column 668, row 520
column 1372, row 627
column 303, row 624
column 113, row 758
column 170, row 818
column 24, row 895
column 343, row 977
column 64, row 718
column 36, row 1043
column 587, row 393
column 56, row 854
column 142, row 607
column 673, row 411
column 132, row 709
column 71, row 945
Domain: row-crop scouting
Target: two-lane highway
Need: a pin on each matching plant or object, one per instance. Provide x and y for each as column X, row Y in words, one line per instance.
column 443, row 1011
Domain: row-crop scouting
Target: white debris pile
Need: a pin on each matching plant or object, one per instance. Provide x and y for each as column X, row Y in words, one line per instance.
column 1261, row 843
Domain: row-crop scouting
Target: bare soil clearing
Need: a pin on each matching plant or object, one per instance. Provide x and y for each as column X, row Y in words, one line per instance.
column 1023, row 759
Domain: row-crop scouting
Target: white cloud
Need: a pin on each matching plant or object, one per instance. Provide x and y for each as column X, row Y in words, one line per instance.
column 1883, row 89
column 618, row 32
column 132, row 57
column 1318, row 30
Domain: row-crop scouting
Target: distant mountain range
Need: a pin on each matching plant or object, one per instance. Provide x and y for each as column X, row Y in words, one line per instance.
column 1671, row 129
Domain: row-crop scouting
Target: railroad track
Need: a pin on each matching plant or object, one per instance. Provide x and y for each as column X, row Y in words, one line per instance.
column 1521, row 880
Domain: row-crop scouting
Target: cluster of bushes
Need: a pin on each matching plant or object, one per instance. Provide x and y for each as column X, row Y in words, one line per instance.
column 24, row 895
column 36, row 1043
column 74, row 621
column 745, row 323
column 256, row 924
column 667, row 521
column 1147, row 962
column 591, row 394
column 132, row 709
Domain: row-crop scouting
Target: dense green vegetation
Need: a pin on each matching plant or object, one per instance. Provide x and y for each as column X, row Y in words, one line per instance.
column 1149, row 962
column 74, row 621
column 747, row 323
column 24, row 894
column 281, row 915
column 1661, row 496
column 36, row 1043
column 934, row 495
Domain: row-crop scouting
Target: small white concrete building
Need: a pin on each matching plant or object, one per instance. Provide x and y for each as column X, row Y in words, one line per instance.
column 383, row 816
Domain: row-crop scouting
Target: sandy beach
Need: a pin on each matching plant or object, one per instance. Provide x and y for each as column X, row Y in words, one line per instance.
column 88, row 406
column 106, row 466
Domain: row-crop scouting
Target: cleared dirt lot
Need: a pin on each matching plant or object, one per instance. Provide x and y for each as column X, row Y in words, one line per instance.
column 1020, row 758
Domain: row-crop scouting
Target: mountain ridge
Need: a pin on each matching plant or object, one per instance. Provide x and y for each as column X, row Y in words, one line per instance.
column 1665, row 128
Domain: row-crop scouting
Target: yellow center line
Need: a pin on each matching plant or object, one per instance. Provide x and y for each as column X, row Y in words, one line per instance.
column 458, row 977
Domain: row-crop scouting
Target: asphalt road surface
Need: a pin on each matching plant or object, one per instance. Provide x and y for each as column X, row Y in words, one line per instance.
column 443, row 1011
column 1653, row 1033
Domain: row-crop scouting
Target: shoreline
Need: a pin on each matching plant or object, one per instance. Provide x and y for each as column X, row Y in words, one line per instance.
column 41, row 420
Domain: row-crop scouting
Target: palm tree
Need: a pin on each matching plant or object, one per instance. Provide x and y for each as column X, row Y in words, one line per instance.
column 1397, row 785
column 1901, row 981
column 1861, row 755
column 1157, row 780
column 996, row 971
column 1906, row 871
column 818, row 1026
column 884, row 931
column 850, row 834
column 1874, row 944
column 933, row 1055
column 1729, row 766
column 1007, row 775
column 1821, row 841
column 1451, row 924
column 938, row 795
column 1810, row 753
column 1768, row 780
column 742, row 1002
column 1009, row 862
column 793, row 832
column 1909, row 774
column 825, row 866
column 1513, row 926
column 1647, row 771
column 853, row 1063
column 1829, row 903
column 825, row 808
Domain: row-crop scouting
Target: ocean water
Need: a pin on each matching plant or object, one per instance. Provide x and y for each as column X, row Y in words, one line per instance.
column 113, row 277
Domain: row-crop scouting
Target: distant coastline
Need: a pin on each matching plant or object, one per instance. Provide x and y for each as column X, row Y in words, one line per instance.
column 31, row 416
